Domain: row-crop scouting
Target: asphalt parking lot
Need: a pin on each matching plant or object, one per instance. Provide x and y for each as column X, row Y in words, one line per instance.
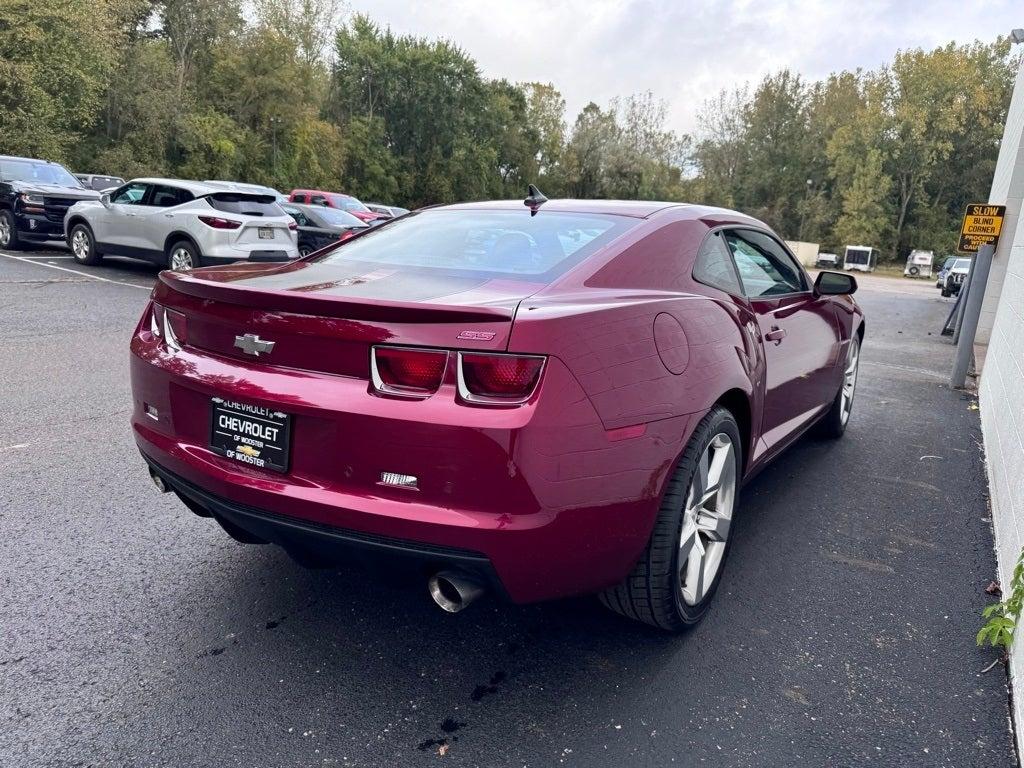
column 136, row 634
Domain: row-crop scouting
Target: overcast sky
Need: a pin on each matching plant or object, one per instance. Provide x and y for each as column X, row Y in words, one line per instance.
column 593, row 50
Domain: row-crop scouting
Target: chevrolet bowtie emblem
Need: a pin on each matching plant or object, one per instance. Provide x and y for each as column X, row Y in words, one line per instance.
column 252, row 344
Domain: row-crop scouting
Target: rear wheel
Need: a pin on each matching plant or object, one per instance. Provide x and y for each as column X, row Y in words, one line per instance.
column 8, row 232
column 183, row 257
column 674, row 581
column 83, row 246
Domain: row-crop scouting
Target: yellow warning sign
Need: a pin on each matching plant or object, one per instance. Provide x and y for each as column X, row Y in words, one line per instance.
column 982, row 224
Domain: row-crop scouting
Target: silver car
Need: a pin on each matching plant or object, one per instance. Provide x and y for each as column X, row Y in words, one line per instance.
column 180, row 225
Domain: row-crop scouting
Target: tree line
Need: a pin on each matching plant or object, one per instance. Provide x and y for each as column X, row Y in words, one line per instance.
column 299, row 93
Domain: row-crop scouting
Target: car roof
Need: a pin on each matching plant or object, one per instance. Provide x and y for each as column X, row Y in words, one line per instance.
column 29, row 159
column 640, row 209
column 197, row 188
column 318, row 192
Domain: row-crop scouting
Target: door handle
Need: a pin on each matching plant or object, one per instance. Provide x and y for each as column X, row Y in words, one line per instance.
column 168, row 215
column 776, row 334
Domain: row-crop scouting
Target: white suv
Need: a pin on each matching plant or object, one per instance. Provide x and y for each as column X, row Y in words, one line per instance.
column 180, row 225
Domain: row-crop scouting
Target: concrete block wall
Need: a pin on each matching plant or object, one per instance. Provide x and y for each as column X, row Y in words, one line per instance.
column 1002, row 420
column 1007, row 189
column 1001, row 326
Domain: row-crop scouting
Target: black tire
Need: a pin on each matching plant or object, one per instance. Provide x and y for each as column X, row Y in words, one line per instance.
column 89, row 255
column 833, row 424
column 914, row 271
column 652, row 593
column 9, row 239
column 178, row 250
column 305, row 250
column 945, row 292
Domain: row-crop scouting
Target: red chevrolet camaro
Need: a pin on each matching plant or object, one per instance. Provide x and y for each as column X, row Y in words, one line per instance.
column 537, row 401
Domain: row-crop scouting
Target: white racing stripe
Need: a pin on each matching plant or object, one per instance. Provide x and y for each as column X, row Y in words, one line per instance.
column 75, row 272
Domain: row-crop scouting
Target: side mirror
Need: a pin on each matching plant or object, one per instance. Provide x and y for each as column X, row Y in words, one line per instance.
column 834, row 284
column 105, row 199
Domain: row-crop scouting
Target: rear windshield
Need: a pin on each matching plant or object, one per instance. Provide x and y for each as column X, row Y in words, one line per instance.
column 248, row 205
column 338, row 218
column 493, row 243
column 99, row 183
column 348, row 203
column 38, row 171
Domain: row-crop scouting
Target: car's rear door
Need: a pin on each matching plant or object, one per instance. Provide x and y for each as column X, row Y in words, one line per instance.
column 798, row 329
column 161, row 217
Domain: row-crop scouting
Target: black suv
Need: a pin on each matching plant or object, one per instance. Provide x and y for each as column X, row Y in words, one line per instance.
column 34, row 196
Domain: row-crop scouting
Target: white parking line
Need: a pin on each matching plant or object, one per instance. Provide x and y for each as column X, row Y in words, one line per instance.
column 74, row 272
column 44, row 258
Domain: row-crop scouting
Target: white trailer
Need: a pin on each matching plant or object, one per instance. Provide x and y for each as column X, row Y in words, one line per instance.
column 860, row 258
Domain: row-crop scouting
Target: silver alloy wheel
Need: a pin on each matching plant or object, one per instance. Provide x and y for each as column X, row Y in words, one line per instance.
column 849, row 381
column 80, row 244
column 5, row 232
column 181, row 260
column 707, row 518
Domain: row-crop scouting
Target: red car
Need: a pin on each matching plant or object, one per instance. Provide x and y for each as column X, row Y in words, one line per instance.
column 538, row 402
column 335, row 200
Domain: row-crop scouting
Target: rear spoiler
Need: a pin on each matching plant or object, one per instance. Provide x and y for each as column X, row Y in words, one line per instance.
column 343, row 307
column 233, row 196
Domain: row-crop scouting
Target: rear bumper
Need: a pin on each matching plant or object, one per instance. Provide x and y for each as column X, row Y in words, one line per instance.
column 331, row 542
column 554, row 504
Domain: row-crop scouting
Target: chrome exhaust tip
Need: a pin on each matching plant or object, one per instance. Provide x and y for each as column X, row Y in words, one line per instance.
column 453, row 591
column 158, row 481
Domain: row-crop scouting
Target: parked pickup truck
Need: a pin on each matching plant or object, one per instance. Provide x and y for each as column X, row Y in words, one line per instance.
column 34, row 196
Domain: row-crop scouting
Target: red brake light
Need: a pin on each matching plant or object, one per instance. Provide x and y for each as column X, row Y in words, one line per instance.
column 405, row 371
column 293, row 225
column 169, row 325
column 498, row 379
column 218, row 223
column 176, row 327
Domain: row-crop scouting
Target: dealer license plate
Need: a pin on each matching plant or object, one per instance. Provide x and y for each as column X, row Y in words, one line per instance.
column 250, row 434
column 266, row 233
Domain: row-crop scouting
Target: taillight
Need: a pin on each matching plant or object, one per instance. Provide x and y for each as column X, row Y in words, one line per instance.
column 406, row 371
column 169, row 325
column 498, row 379
column 218, row 223
column 292, row 225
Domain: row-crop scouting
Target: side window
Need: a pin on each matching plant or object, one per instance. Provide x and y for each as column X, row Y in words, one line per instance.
column 166, row 197
column 765, row 268
column 318, row 200
column 130, row 194
column 299, row 216
column 713, row 266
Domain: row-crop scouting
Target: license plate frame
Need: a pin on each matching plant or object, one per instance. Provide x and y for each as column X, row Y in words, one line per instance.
column 265, row 233
column 252, row 435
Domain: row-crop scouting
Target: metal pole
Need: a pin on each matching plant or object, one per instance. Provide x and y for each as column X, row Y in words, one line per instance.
column 972, row 312
column 965, row 291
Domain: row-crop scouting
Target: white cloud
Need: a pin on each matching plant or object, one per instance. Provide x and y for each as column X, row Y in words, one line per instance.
column 686, row 51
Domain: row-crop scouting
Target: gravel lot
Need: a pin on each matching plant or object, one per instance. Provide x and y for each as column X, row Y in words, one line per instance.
column 136, row 634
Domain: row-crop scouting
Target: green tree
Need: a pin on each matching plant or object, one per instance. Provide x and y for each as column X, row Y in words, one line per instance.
column 866, row 216
column 54, row 63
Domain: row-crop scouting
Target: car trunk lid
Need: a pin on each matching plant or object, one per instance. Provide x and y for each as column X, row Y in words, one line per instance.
column 326, row 316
